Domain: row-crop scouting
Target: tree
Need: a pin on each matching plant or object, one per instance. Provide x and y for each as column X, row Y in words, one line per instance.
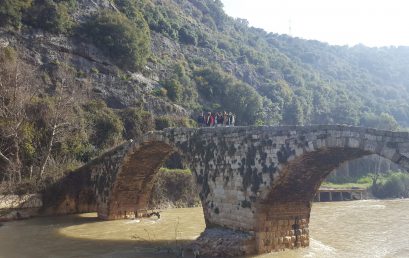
column 15, row 93
column 105, row 125
column 293, row 114
column 34, row 125
column 232, row 95
column 57, row 118
column 383, row 121
column 188, row 35
column 126, row 42
column 51, row 16
column 174, row 90
column 11, row 12
column 136, row 122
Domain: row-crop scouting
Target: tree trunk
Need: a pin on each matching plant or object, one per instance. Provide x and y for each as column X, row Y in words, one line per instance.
column 48, row 151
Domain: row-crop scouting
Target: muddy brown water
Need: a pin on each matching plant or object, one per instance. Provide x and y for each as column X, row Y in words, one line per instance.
column 340, row 229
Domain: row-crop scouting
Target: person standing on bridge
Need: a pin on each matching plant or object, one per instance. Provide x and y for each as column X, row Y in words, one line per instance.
column 212, row 120
column 219, row 119
column 207, row 121
column 201, row 120
column 225, row 118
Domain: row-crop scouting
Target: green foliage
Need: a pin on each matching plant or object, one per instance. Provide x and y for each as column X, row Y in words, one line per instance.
column 8, row 54
column 178, row 171
column 168, row 121
column 159, row 19
column 383, row 121
column 163, row 122
column 365, row 180
column 11, row 12
column 232, row 95
column 136, row 122
column 160, row 92
column 188, row 35
column 107, row 127
column 174, row 187
column 293, row 114
column 51, row 15
column 125, row 41
column 173, row 90
column 364, row 185
column 179, row 87
column 396, row 184
column 187, row 122
column 28, row 148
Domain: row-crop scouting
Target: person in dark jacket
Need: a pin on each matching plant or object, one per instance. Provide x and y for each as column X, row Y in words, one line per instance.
column 201, row 120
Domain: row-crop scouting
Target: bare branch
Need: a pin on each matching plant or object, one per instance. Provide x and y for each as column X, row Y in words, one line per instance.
column 4, row 158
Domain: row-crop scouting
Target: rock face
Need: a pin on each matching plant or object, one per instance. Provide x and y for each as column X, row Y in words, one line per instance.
column 60, row 58
column 14, row 207
column 365, row 165
column 256, row 180
column 222, row 242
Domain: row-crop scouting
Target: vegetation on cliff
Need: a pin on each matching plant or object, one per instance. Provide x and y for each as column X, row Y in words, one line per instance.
column 174, row 188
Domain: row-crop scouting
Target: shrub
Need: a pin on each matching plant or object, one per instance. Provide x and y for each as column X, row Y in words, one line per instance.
column 395, row 185
column 173, row 89
column 160, row 92
column 383, row 121
column 51, row 16
column 189, row 123
column 8, row 54
column 187, row 35
column 126, row 42
column 136, row 122
column 174, row 187
column 11, row 12
column 107, row 126
column 163, row 122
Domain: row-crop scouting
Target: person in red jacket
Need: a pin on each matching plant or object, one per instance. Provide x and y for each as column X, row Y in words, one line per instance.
column 211, row 120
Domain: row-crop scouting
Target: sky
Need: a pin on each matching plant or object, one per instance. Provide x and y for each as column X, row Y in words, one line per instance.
column 338, row 22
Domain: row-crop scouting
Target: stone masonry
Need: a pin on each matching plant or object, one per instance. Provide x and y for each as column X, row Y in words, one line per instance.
column 254, row 180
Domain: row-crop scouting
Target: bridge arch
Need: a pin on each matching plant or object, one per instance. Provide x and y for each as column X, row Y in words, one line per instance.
column 283, row 210
column 127, row 193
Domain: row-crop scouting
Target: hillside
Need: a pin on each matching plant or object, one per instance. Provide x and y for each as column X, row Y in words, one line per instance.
column 80, row 76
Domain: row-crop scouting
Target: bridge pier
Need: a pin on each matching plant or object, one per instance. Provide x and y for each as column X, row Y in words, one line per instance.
column 282, row 226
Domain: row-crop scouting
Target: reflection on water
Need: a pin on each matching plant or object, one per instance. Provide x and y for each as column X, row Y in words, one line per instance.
column 341, row 229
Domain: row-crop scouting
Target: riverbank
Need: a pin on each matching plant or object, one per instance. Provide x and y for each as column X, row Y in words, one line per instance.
column 14, row 207
column 172, row 189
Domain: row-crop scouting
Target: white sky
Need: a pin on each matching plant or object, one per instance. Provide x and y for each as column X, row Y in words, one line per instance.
column 340, row 22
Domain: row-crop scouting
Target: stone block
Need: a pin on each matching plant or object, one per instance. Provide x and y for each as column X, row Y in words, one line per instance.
column 388, row 152
column 287, row 240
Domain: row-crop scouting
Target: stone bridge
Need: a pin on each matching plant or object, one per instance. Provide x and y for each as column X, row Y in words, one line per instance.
column 257, row 181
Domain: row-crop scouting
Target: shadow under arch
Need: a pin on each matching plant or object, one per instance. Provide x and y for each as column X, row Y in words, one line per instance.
column 303, row 175
column 132, row 186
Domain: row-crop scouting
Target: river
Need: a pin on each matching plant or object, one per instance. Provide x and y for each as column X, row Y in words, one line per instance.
column 370, row 228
